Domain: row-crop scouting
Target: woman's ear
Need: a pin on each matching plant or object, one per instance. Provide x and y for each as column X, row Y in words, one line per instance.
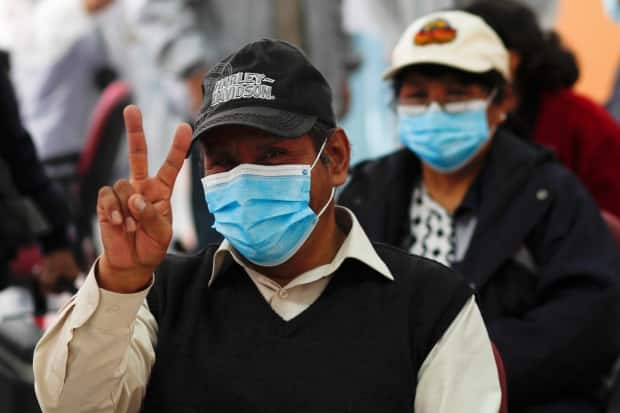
column 504, row 103
column 338, row 153
column 514, row 59
column 510, row 101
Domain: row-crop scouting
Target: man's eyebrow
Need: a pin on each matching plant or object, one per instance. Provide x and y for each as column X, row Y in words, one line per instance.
column 210, row 148
column 271, row 141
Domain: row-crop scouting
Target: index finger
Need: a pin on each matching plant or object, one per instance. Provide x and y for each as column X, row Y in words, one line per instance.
column 180, row 146
column 138, row 164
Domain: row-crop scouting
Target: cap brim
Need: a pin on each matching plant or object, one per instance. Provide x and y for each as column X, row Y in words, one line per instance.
column 276, row 121
column 450, row 61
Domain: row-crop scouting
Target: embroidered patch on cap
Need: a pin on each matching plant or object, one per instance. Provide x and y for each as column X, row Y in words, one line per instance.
column 437, row 31
column 242, row 85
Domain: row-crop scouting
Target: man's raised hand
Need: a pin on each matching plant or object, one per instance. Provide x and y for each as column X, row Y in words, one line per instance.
column 135, row 215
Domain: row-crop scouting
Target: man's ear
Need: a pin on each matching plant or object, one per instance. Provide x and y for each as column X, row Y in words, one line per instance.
column 338, row 152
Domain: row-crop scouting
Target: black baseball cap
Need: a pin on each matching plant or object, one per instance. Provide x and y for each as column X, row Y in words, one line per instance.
column 268, row 85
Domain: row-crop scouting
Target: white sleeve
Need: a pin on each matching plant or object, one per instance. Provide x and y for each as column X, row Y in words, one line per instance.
column 98, row 355
column 460, row 374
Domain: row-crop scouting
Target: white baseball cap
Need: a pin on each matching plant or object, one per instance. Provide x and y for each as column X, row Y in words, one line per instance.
column 450, row 38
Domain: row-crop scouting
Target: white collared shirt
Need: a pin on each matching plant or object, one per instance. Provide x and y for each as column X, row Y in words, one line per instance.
column 99, row 354
column 290, row 300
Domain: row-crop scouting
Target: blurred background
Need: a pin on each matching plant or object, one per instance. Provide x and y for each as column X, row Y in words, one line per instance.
column 64, row 54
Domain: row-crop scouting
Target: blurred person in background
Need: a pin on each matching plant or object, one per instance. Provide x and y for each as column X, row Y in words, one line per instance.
column 22, row 175
column 519, row 226
column 187, row 37
column 64, row 53
column 581, row 133
column 55, row 53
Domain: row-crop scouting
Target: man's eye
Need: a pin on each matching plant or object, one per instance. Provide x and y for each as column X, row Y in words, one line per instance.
column 218, row 165
column 217, row 162
column 272, row 155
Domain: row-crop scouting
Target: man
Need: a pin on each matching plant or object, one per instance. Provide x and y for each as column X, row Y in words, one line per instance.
column 294, row 311
column 524, row 232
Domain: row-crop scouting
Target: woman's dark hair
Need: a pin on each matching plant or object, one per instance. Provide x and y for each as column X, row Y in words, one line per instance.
column 489, row 81
column 545, row 64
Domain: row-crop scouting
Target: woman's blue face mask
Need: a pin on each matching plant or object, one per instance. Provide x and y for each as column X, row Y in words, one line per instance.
column 264, row 211
column 445, row 138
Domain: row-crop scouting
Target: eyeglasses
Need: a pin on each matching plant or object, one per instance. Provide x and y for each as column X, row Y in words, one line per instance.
column 448, row 107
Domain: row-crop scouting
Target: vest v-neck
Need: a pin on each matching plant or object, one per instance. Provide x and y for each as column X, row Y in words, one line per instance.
column 358, row 347
column 243, row 284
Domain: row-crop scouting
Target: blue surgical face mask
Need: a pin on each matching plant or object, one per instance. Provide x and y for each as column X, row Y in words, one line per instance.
column 263, row 211
column 447, row 139
column 612, row 7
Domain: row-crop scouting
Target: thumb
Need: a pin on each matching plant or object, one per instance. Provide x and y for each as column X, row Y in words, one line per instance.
column 151, row 221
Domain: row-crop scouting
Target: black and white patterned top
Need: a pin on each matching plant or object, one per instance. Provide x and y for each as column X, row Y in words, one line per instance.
column 432, row 228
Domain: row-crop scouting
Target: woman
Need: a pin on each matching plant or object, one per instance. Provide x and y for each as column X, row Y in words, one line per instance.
column 521, row 229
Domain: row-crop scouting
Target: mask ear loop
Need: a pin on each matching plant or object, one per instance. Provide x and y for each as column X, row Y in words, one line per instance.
column 490, row 99
column 331, row 197
column 319, row 154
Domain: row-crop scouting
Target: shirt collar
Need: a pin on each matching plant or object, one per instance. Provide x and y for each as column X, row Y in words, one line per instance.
column 472, row 200
column 473, row 197
column 355, row 246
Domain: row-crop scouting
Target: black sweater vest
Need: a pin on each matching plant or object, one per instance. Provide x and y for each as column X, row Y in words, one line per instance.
column 358, row 348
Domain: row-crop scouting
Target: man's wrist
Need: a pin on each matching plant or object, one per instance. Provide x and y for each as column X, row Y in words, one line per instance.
column 123, row 281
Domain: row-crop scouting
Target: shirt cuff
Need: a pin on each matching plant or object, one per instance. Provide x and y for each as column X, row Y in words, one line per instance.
column 117, row 310
column 104, row 309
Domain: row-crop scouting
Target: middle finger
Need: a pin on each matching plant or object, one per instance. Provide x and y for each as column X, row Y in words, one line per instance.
column 123, row 190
